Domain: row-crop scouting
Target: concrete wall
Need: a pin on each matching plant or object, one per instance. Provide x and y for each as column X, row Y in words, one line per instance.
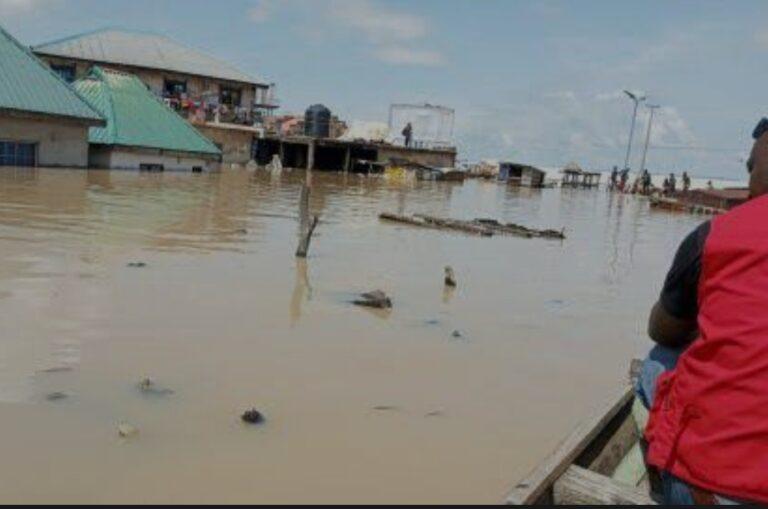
column 59, row 142
column 235, row 144
column 131, row 159
column 438, row 158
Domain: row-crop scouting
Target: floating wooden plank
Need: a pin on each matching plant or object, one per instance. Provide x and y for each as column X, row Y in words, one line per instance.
column 483, row 227
column 536, row 487
column 579, row 486
column 423, row 223
column 520, row 230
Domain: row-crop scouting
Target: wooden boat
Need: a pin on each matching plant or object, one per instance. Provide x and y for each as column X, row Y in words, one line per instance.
column 600, row 462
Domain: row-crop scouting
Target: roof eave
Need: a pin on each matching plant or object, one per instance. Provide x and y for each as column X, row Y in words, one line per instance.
column 171, row 151
column 43, row 53
column 39, row 115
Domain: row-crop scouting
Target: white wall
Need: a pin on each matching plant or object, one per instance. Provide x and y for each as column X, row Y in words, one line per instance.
column 59, row 142
column 123, row 159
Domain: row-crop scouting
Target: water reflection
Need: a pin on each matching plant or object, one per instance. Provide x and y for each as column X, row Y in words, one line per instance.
column 302, row 290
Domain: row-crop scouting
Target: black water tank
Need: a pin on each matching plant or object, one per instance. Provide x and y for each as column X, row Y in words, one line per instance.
column 317, row 121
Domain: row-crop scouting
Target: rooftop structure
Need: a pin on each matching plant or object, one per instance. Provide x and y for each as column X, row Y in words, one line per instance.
column 432, row 125
column 28, row 86
column 202, row 88
column 136, row 119
column 43, row 121
column 144, row 50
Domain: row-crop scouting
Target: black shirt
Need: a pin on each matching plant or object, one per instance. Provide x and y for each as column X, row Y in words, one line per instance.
column 680, row 295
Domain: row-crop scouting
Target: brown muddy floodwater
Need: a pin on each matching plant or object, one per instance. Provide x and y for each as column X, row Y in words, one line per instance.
column 224, row 315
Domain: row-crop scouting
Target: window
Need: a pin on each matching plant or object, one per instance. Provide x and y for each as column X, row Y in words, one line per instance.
column 174, row 88
column 14, row 153
column 230, row 96
column 151, row 167
column 67, row 72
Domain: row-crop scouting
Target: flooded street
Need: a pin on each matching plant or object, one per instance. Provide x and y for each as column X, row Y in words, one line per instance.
column 360, row 406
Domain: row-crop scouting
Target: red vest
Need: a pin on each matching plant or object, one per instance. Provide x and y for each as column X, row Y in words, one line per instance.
column 709, row 421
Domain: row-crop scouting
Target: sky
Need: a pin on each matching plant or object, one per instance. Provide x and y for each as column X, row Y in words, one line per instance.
column 535, row 82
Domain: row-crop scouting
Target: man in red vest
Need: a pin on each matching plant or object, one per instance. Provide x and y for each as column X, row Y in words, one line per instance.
column 706, row 380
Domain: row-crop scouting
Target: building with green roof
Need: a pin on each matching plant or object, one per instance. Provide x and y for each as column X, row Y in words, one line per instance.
column 227, row 104
column 141, row 131
column 43, row 120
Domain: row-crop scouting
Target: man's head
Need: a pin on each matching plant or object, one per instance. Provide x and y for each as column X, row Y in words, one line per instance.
column 757, row 165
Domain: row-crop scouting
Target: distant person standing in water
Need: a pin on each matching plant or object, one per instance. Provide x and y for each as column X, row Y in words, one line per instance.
column 646, row 182
column 686, row 182
column 672, row 183
column 624, row 179
column 614, row 177
column 408, row 134
column 709, row 185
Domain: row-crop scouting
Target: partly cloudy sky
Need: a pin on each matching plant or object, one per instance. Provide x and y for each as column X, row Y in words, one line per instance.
column 539, row 82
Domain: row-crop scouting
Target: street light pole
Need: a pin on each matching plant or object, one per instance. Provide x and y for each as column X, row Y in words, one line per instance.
column 637, row 100
column 652, row 108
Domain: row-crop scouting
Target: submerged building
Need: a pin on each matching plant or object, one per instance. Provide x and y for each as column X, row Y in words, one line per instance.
column 222, row 101
column 141, row 132
column 43, row 121
column 521, row 174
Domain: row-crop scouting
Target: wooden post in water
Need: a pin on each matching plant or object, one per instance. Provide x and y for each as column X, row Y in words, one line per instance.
column 306, row 228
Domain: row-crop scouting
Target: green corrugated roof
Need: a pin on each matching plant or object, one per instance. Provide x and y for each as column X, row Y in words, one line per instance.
column 28, row 85
column 136, row 117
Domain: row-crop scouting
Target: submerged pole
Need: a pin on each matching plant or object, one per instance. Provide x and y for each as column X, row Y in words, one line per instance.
column 637, row 100
column 652, row 108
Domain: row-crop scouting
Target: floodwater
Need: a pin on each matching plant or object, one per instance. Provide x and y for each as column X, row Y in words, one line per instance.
column 360, row 406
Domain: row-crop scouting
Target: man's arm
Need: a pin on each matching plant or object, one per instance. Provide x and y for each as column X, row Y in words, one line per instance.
column 673, row 320
column 668, row 330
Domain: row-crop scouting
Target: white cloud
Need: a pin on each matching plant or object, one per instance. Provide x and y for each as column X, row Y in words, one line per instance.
column 552, row 128
column 379, row 23
column 261, row 11
column 396, row 36
column 13, row 7
column 401, row 55
column 761, row 38
column 391, row 35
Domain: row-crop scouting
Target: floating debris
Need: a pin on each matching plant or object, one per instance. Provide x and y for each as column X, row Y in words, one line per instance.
column 375, row 299
column 57, row 369
column 147, row 386
column 252, row 416
column 385, row 408
column 482, row 227
column 137, row 265
column 56, row 396
column 436, row 413
column 423, row 222
column 126, row 430
column 457, row 335
column 432, row 322
column 519, row 230
column 450, row 277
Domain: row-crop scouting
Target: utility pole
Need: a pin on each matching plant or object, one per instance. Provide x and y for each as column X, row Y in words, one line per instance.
column 652, row 108
column 637, row 100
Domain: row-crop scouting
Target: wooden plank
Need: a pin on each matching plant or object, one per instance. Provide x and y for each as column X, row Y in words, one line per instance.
column 607, row 457
column 537, row 486
column 579, row 486
column 632, row 469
